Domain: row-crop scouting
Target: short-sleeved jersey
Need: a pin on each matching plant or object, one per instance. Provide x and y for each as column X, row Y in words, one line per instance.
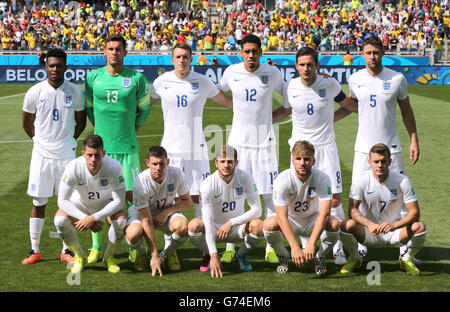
column 383, row 201
column 228, row 199
column 252, row 103
column 55, row 117
column 95, row 192
column 377, row 103
column 115, row 100
column 312, row 110
column 149, row 193
column 182, row 102
column 302, row 199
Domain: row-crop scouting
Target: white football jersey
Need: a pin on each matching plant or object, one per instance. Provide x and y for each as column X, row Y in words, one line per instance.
column 252, row 103
column 383, row 201
column 227, row 199
column 182, row 102
column 149, row 193
column 312, row 110
column 302, row 199
column 95, row 192
column 55, row 117
column 377, row 103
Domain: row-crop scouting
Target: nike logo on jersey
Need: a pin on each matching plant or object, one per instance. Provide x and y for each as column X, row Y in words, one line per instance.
column 167, row 87
column 368, row 193
column 296, row 96
column 216, row 196
column 359, row 86
column 42, row 101
column 98, row 82
column 81, row 184
column 292, row 194
column 237, row 79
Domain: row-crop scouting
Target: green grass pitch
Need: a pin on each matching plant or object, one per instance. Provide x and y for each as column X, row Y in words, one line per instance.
column 430, row 177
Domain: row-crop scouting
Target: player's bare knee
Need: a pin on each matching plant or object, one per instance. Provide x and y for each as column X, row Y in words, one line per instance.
column 332, row 225
column 179, row 226
column 347, row 225
column 195, row 226
column 133, row 233
column 256, row 227
column 271, row 224
column 418, row 227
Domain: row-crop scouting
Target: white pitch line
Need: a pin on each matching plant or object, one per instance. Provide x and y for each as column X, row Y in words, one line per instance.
column 11, row 96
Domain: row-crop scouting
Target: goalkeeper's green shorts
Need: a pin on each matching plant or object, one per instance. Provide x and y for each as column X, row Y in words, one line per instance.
column 130, row 165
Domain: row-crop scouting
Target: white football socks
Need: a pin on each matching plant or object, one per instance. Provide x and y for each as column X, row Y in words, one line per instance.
column 36, row 226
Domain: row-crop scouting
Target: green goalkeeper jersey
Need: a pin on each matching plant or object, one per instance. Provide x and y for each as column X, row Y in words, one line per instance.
column 115, row 104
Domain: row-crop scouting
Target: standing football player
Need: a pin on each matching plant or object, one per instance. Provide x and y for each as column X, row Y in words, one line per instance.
column 53, row 116
column 117, row 104
column 378, row 90
column 311, row 99
column 183, row 94
column 252, row 135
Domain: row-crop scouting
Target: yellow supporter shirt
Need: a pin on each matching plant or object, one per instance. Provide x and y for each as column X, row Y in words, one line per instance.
column 220, row 42
column 272, row 41
column 295, row 5
column 93, row 43
column 6, row 43
column 32, row 42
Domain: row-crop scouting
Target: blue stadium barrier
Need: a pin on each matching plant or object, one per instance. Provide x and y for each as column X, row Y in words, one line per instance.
column 424, row 75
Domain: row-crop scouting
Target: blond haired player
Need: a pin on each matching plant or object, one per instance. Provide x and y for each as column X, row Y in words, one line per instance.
column 224, row 218
column 302, row 197
column 311, row 99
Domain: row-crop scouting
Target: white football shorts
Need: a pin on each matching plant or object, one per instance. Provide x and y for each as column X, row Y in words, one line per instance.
column 134, row 217
column 195, row 170
column 261, row 163
column 391, row 239
column 45, row 175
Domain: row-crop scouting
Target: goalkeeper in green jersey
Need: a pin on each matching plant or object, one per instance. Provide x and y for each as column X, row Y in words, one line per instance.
column 117, row 104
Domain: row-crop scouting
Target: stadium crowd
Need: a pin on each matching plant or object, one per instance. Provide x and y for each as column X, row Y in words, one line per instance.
column 403, row 25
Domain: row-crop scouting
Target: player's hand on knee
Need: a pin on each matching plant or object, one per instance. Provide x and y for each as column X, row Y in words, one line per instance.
column 224, row 230
column 385, row 227
column 374, row 228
